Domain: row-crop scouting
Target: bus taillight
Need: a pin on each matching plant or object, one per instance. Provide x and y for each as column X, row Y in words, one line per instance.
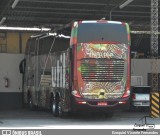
column 76, row 94
column 82, row 102
column 126, row 94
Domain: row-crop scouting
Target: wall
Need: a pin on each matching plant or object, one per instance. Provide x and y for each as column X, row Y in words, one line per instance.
column 141, row 67
column 11, row 96
column 14, row 41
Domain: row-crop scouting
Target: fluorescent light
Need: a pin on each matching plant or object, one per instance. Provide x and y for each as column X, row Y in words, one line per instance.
column 3, row 20
column 114, row 22
column 64, row 36
column 59, row 35
column 24, row 29
column 125, row 4
column 14, row 4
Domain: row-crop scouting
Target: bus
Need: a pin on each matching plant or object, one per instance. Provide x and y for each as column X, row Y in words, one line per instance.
column 83, row 67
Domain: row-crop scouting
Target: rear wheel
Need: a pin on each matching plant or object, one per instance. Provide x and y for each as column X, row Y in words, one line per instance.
column 54, row 107
column 30, row 103
column 61, row 113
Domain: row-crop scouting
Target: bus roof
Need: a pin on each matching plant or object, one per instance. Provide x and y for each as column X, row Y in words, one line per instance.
column 102, row 21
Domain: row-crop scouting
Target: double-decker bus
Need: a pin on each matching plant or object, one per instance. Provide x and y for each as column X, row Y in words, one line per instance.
column 86, row 72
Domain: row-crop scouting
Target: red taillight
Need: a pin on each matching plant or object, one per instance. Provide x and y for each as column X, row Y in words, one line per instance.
column 126, row 94
column 133, row 96
column 81, row 102
column 76, row 94
column 124, row 102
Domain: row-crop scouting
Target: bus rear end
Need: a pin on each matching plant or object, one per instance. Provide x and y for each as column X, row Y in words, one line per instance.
column 101, row 75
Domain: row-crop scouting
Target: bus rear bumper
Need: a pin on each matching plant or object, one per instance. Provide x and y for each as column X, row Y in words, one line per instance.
column 82, row 105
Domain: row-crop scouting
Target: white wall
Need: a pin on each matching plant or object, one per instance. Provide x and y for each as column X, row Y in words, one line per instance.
column 9, row 67
column 141, row 67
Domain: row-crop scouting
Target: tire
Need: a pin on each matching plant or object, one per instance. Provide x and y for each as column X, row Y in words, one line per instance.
column 54, row 107
column 109, row 114
column 30, row 103
column 61, row 113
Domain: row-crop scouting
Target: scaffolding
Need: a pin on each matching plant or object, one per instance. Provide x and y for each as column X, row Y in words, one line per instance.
column 155, row 100
column 154, row 44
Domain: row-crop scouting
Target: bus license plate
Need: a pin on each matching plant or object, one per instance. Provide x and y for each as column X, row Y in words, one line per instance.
column 102, row 103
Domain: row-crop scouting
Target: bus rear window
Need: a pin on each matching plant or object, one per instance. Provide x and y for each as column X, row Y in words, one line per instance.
column 102, row 32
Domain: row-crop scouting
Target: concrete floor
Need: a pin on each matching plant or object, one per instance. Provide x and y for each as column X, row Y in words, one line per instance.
column 24, row 118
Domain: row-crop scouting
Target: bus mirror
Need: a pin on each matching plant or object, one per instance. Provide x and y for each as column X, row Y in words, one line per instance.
column 22, row 66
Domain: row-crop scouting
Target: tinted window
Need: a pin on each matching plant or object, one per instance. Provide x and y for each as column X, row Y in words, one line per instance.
column 45, row 45
column 31, row 46
column 141, row 90
column 60, row 44
column 88, row 32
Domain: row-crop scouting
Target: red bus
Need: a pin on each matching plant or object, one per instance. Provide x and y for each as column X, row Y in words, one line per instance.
column 89, row 71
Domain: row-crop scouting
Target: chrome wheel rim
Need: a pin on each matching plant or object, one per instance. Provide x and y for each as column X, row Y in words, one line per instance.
column 53, row 107
column 59, row 108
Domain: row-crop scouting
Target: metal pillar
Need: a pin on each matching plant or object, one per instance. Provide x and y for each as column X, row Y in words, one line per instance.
column 155, row 107
column 154, row 44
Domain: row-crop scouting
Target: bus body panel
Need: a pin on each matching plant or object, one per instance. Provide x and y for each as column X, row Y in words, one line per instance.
column 101, row 82
column 98, row 68
column 51, row 71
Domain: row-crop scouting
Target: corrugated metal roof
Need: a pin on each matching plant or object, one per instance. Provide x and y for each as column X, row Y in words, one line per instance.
column 52, row 13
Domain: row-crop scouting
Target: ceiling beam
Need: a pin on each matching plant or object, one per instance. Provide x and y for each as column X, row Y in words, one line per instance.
column 52, row 13
column 59, row 9
column 82, row 3
column 64, row 2
column 78, row 10
column 65, row 19
column 72, row 14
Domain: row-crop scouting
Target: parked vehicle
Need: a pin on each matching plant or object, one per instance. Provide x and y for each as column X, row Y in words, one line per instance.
column 140, row 96
column 89, row 71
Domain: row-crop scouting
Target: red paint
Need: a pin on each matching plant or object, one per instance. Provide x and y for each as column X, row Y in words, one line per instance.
column 77, row 95
column 124, row 102
column 128, row 79
column 129, row 37
column 133, row 96
column 123, row 23
column 73, row 40
column 102, row 103
column 79, row 22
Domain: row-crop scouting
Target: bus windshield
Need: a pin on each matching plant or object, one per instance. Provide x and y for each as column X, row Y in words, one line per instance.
column 102, row 32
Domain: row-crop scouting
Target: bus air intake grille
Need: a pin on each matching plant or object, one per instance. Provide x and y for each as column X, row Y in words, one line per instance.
column 102, row 70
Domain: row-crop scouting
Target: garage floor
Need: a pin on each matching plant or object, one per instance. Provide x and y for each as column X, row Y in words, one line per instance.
column 24, row 118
